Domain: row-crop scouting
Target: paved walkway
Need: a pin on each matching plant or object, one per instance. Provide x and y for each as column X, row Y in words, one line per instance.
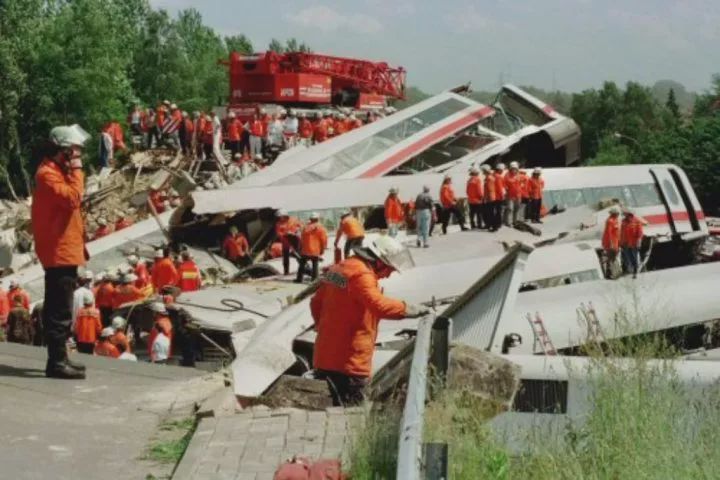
column 250, row 445
column 94, row 428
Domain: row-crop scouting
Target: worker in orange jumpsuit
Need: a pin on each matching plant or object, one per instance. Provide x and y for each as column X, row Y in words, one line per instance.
column 352, row 123
column 105, row 348
column 236, row 248
column 123, row 221
column 104, row 299
column 161, row 322
column 4, row 307
column 513, row 195
column 103, row 229
column 498, row 207
column 313, row 242
column 524, row 182
column 189, row 273
column 119, row 338
column 87, row 326
column 631, row 235
column 320, row 133
column 141, row 273
column 474, row 191
column 450, row 205
column 489, row 198
column 287, row 230
column 353, row 231
column 59, row 234
column 394, row 214
column 347, row 309
column 536, row 185
column 329, row 123
column 611, row 242
column 17, row 291
column 305, row 130
column 157, row 198
column 340, row 124
column 234, row 130
column 127, row 292
column 207, row 138
column 187, row 130
column 164, row 271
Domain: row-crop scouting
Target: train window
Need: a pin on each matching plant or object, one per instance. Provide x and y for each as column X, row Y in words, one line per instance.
column 627, row 197
column 541, row 396
column 670, row 193
column 571, row 198
column 645, row 195
column 549, row 199
column 609, row 193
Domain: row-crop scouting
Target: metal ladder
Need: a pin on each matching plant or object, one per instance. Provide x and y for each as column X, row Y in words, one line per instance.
column 541, row 335
column 594, row 330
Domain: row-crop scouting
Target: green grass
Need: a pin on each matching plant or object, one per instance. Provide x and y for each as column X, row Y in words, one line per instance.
column 172, row 450
column 373, row 453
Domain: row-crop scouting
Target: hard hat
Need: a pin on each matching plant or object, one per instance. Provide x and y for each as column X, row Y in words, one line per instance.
column 106, row 275
column 100, row 277
column 158, row 307
column 393, row 190
column 628, row 211
column 281, row 213
column 166, row 102
column 474, row 171
column 537, row 170
column 88, row 275
column 102, row 222
column 314, row 216
column 447, row 177
column 231, row 115
column 69, row 136
column 233, row 229
column 301, row 114
column 14, row 284
column 196, row 114
column 184, row 114
column 318, row 114
column 88, row 298
column 159, row 254
column 500, row 166
column 485, row 168
column 133, row 260
column 186, row 255
column 514, row 165
column 291, row 112
column 107, row 332
column 352, row 116
column 345, row 213
column 341, row 116
column 118, row 323
column 173, row 107
column 391, row 252
column 614, row 211
column 426, row 189
column 237, row 155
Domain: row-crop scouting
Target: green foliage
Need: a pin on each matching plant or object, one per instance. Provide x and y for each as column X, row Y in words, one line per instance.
column 239, row 43
column 291, row 45
column 413, row 95
column 172, row 450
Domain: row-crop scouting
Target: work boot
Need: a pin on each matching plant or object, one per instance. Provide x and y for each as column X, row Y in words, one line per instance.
column 77, row 366
column 64, row 371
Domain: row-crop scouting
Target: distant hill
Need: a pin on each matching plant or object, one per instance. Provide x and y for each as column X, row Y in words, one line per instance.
column 684, row 99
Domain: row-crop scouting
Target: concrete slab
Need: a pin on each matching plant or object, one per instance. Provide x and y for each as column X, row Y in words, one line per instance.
column 78, row 429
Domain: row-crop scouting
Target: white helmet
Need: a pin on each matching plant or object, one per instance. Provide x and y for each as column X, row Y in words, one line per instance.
column 258, row 156
column 158, row 307
column 159, row 254
column 88, row 299
column 88, row 275
column 391, row 252
column 107, row 332
column 537, row 170
column 345, row 213
column 474, row 171
column 314, row 216
column 614, row 211
column 485, row 168
column 231, row 115
column 281, row 213
column 133, row 260
column 515, row 165
column 394, row 190
column 500, row 166
column 69, row 136
column 173, row 107
column 118, row 323
column 14, row 284
column 100, row 277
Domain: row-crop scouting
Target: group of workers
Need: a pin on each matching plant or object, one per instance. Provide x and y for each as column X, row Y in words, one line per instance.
column 622, row 239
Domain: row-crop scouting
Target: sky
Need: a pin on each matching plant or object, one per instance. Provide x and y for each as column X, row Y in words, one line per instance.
column 568, row 45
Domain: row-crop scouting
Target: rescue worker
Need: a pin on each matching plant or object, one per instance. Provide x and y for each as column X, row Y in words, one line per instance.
column 4, row 306
column 320, row 132
column 305, row 129
column 236, row 248
column 164, row 271
column 423, row 216
column 234, row 130
column 82, row 291
column 123, row 220
column 141, row 273
column 329, row 123
column 162, row 324
column 513, row 194
column 127, row 292
column 189, row 273
column 353, row 231
column 104, row 299
column 256, row 135
column 287, row 230
column 87, row 326
column 103, row 348
column 500, row 199
column 103, row 229
column 198, row 133
column 394, row 215
column 20, row 327
column 611, row 242
column 340, row 124
column 350, row 291
column 524, row 182
column 16, row 290
column 290, row 129
column 313, row 242
column 119, row 339
column 474, row 191
column 450, row 206
column 171, row 129
column 208, row 134
column 157, row 198
column 536, row 186
column 631, row 235
column 59, row 234
column 187, row 128
column 489, row 198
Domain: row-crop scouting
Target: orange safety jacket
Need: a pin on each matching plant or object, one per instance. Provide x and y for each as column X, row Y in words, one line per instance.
column 347, row 308
column 119, row 338
column 499, row 186
column 143, row 277
column 321, row 131
column 190, row 279
column 490, row 192
column 535, row 188
column 305, row 128
column 351, row 228
column 234, row 130
column 19, row 292
column 447, row 195
column 126, row 294
column 283, row 228
column 106, row 349
column 393, row 210
column 523, row 180
column 235, row 246
column 513, row 186
column 87, row 325
column 104, row 295
column 631, row 232
column 474, row 190
column 164, row 273
column 611, row 234
column 313, row 240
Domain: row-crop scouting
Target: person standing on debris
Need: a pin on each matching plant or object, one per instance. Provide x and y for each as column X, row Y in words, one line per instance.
column 134, row 119
column 313, row 242
column 87, row 326
column 474, row 191
column 127, row 292
column 16, row 291
column 4, row 306
column 256, row 135
column 19, row 325
column 103, row 348
column 81, row 293
column 236, row 248
column 536, row 185
column 450, row 205
column 164, row 271
column 103, row 229
column 631, row 235
column 350, row 292
column 234, row 133
column 353, row 231
column 122, row 221
column 59, row 234
column 305, row 129
column 190, row 278
column 287, row 230
column 611, row 242
column 290, row 129
column 513, row 201
column 207, row 138
column 198, row 131
column 423, row 216
column 150, row 127
column 489, row 197
column 104, row 299
column 500, row 196
column 171, row 129
column 119, row 339
column 141, row 273
column 187, row 128
column 524, row 183
column 320, row 133
column 394, row 215
column 162, row 325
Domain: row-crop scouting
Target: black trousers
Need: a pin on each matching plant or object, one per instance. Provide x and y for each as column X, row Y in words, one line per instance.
column 292, row 246
column 497, row 207
column 526, row 208
column 245, row 142
column 83, row 347
column 350, row 244
column 454, row 211
column 208, row 150
column 60, row 284
column 534, row 207
column 476, row 220
column 346, row 390
column 314, row 261
column 106, row 316
column 234, row 147
column 243, row 261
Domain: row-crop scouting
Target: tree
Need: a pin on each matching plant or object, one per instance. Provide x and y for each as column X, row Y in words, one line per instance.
column 239, row 43
column 276, row 46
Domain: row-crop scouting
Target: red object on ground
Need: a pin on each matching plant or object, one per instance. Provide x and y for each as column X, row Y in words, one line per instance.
column 305, row 469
